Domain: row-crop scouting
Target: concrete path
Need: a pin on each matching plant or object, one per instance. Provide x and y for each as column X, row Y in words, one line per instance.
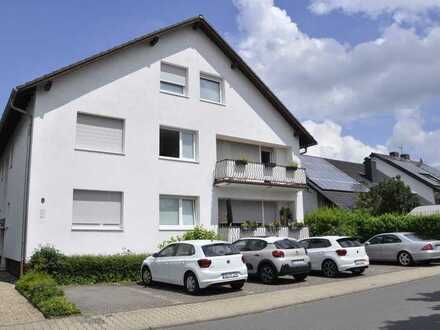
column 225, row 308
column 14, row 308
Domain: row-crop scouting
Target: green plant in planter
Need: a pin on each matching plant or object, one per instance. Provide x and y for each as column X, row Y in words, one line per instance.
column 293, row 166
column 242, row 161
column 275, row 225
column 249, row 225
column 293, row 225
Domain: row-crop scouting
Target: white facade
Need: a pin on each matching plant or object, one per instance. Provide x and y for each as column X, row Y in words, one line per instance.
column 126, row 86
column 415, row 185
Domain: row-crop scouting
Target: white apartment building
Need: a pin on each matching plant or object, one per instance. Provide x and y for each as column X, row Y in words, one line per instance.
column 139, row 143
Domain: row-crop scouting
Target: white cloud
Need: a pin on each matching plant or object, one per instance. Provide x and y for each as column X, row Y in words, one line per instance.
column 400, row 10
column 332, row 144
column 409, row 133
column 320, row 78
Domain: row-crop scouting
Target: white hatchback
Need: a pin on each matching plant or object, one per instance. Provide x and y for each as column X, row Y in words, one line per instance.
column 334, row 254
column 196, row 265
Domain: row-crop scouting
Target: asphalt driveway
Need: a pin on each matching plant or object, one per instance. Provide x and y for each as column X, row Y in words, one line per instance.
column 109, row 298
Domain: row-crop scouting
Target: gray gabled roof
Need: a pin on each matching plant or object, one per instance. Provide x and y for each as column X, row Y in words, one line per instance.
column 416, row 169
column 21, row 94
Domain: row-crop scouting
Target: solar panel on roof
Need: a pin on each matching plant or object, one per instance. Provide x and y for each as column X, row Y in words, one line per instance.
column 329, row 177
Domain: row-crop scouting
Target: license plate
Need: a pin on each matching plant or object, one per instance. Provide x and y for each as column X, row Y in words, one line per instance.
column 297, row 261
column 230, row 275
column 359, row 262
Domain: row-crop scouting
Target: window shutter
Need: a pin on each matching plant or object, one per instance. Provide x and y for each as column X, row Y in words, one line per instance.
column 173, row 74
column 99, row 133
column 92, row 207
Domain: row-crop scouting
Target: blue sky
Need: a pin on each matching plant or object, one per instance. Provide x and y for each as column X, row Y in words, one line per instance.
column 38, row 37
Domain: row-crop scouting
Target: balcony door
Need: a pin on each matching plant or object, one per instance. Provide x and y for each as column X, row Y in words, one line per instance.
column 266, row 155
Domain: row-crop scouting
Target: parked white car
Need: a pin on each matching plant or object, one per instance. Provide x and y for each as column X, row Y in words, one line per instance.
column 334, row 254
column 196, row 265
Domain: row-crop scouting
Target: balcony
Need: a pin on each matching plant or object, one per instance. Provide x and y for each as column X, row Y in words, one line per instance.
column 229, row 171
column 233, row 233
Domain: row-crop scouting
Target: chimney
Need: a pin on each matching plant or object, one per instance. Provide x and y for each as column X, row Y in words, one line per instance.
column 394, row 154
column 370, row 169
column 405, row 157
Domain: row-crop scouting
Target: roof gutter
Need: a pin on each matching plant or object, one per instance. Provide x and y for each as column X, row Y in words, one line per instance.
column 26, row 180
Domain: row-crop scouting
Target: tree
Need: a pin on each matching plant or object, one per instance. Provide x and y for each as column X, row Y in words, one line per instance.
column 390, row 196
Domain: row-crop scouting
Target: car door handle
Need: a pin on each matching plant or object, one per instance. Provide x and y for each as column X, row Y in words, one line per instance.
column 256, row 255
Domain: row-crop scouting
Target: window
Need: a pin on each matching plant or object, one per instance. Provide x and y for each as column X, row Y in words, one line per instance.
column 98, row 133
column 319, row 243
column 287, row 244
column 173, row 79
column 241, row 245
column 184, row 250
column 349, row 242
column 97, row 209
column 169, row 251
column 376, row 240
column 219, row 249
column 177, row 144
column 256, row 245
column 266, row 156
column 211, row 89
column 391, row 239
column 177, row 212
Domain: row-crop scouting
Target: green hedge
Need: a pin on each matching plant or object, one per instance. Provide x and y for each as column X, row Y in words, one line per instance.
column 86, row 269
column 336, row 221
column 194, row 234
column 42, row 291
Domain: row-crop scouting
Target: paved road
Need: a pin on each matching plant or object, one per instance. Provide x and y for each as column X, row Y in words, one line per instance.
column 105, row 298
column 413, row 305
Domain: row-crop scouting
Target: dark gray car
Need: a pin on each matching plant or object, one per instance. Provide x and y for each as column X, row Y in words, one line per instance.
column 405, row 248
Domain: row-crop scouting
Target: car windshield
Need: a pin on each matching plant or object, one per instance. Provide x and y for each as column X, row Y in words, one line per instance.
column 286, row 244
column 219, row 249
column 415, row 237
column 349, row 242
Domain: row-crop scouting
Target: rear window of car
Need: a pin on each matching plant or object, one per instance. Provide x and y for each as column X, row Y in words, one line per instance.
column 349, row 242
column 219, row 249
column 286, row 244
column 415, row 237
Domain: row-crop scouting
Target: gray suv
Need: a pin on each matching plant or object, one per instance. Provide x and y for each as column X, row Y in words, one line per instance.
column 270, row 257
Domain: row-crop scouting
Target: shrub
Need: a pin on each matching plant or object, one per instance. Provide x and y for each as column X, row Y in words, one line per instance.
column 336, row 221
column 194, row 234
column 42, row 291
column 87, row 269
column 57, row 306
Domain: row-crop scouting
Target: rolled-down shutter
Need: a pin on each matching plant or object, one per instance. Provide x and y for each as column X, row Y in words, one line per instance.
column 173, row 74
column 92, row 207
column 99, row 133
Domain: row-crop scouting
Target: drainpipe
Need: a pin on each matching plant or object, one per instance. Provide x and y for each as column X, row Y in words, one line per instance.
column 26, row 182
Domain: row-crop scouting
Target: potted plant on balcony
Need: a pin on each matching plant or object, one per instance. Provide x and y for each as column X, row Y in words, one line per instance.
column 294, row 225
column 241, row 162
column 293, row 166
column 274, row 227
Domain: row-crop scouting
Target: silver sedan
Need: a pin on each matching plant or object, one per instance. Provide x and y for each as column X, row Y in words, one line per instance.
column 405, row 248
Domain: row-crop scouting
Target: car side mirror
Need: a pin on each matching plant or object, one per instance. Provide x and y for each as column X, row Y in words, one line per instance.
column 156, row 255
column 367, row 243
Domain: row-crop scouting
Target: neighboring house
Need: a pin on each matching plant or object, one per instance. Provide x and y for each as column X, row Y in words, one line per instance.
column 139, row 143
column 424, row 180
column 337, row 183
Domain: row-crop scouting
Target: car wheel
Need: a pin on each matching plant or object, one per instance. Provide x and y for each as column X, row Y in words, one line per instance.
column 192, row 284
column 147, row 279
column 329, row 268
column 237, row 285
column 404, row 259
column 267, row 273
column 300, row 277
column 358, row 271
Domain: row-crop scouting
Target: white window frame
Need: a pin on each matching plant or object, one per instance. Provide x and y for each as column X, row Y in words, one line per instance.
column 185, row 87
column 195, row 144
column 217, row 79
column 98, row 150
column 100, row 226
column 180, row 226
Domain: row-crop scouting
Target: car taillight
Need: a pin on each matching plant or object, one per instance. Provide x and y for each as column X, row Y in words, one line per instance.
column 341, row 252
column 242, row 259
column 428, row 247
column 204, row 263
column 278, row 254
